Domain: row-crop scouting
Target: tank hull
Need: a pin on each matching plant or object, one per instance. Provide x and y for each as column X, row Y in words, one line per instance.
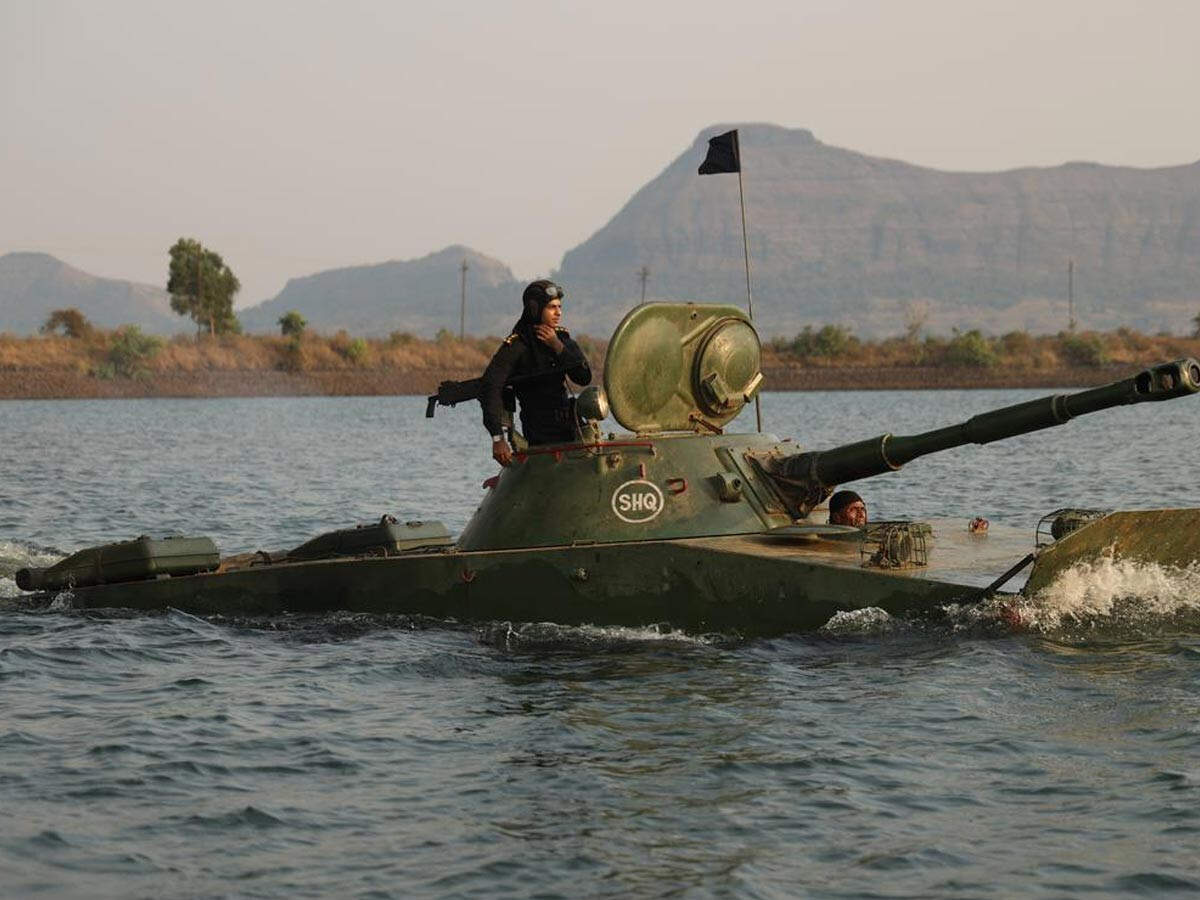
column 746, row 585
column 750, row 585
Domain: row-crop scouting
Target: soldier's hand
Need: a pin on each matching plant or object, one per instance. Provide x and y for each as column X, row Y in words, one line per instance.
column 548, row 336
column 501, row 452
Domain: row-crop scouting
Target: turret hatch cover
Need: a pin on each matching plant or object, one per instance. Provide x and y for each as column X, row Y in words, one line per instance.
column 675, row 366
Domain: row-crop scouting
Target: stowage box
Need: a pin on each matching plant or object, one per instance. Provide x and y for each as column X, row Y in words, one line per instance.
column 143, row 557
column 381, row 538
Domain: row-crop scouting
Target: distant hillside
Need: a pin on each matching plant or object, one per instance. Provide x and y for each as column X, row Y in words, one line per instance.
column 419, row 296
column 837, row 236
column 33, row 284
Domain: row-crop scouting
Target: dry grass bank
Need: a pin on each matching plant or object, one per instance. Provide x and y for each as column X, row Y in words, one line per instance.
column 184, row 353
column 125, row 363
column 1016, row 351
column 238, row 352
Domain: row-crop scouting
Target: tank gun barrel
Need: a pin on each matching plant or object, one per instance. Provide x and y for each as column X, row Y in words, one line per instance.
column 806, row 479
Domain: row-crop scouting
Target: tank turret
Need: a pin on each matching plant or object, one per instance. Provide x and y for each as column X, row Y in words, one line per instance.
column 806, row 479
column 675, row 374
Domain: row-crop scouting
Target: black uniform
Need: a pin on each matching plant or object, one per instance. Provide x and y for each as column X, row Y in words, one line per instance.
column 545, row 404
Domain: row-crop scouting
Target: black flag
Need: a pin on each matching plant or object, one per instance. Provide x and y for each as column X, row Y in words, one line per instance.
column 723, row 155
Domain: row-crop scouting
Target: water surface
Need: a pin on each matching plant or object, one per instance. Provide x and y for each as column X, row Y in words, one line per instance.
column 168, row 755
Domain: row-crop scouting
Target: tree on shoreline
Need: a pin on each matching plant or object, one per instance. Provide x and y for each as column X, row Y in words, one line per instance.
column 1197, row 321
column 202, row 286
column 73, row 323
column 292, row 324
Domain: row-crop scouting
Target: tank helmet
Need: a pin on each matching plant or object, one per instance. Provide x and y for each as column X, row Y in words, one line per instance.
column 537, row 295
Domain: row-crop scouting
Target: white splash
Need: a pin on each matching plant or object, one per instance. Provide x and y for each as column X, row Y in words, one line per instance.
column 1115, row 590
column 526, row 636
column 62, row 601
column 865, row 621
column 14, row 556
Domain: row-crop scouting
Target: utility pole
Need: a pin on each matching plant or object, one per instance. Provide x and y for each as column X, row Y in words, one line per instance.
column 1070, row 294
column 212, row 328
column 643, row 275
column 462, row 309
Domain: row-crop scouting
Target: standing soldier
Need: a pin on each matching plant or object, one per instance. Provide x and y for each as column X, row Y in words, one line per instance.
column 537, row 345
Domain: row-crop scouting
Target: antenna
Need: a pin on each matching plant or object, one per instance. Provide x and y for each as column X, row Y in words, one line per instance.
column 1070, row 295
column 462, row 309
column 643, row 275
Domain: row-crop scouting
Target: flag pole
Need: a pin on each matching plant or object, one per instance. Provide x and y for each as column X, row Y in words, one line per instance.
column 745, row 246
column 725, row 155
column 749, row 296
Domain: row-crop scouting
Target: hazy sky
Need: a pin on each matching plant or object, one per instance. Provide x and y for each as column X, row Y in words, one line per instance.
column 294, row 137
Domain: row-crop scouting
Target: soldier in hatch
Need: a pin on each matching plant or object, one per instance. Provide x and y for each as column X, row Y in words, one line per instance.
column 537, row 345
column 847, row 508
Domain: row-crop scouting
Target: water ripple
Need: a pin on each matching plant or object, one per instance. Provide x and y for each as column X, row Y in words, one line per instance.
column 376, row 756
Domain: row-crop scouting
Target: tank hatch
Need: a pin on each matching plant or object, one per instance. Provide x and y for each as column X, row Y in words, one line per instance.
column 681, row 367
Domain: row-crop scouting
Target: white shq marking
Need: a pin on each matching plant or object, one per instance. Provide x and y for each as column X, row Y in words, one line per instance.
column 637, row 501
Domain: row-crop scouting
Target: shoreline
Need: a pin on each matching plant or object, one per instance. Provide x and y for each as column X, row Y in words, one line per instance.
column 49, row 384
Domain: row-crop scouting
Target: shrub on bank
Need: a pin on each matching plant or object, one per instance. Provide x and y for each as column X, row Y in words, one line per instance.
column 356, row 351
column 1017, row 344
column 970, row 350
column 830, row 342
column 352, row 350
column 1082, row 350
column 128, row 353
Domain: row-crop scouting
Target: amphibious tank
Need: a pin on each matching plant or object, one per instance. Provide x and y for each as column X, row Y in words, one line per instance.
column 670, row 521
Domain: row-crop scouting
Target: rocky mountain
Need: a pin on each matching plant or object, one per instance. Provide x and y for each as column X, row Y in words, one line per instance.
column 33, row 284
column 418, row 295
column 838, row 236
column 835, row 236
